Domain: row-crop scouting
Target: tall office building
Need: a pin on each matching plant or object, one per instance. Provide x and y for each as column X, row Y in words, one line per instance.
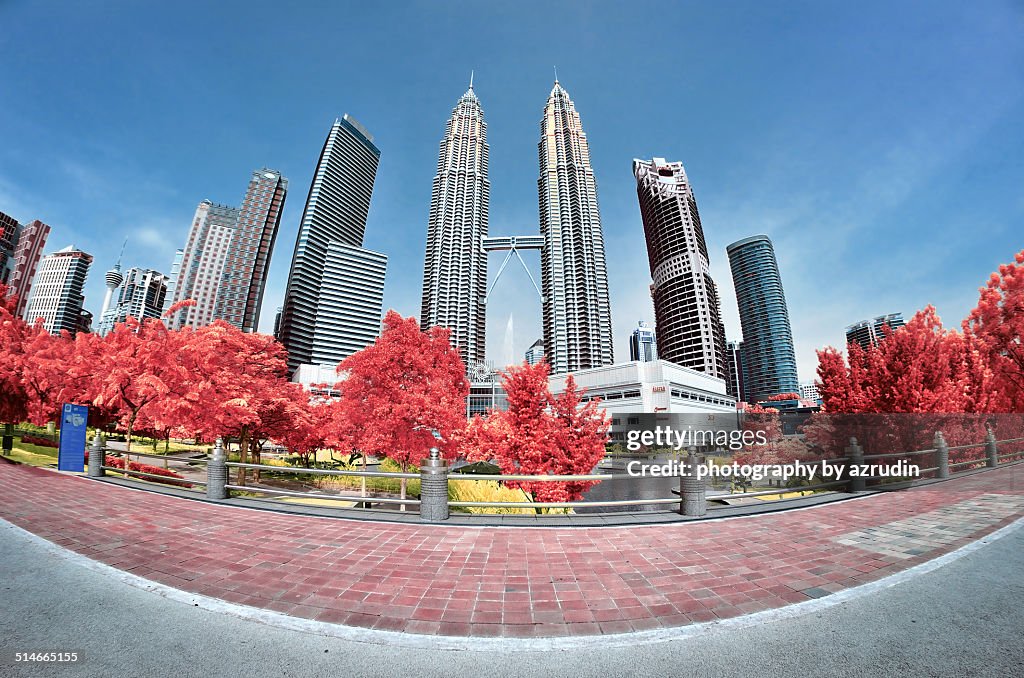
column 57, row 290
column 769, row 359
column 172, row 279
column 248, row 260
column 332, row 304
column 535, row 353
column 643, row 344
column 734, row 362
column 870, row 332
column 202, row 268
column 574, row 278
column 225, row 261
column 455, row 265
column 10, row 229
column 810, row 392
column 27, row 255
column 142, row 295
column 687, row 310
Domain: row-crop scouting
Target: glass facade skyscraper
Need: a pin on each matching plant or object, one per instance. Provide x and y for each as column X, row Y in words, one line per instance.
column 332, row 304
column 769, row 359
column 455, row 265
column 687, row 311
column 57, row 290
column 574, row 279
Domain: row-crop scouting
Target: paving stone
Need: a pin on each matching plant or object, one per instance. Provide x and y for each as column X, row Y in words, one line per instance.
column 515, row 581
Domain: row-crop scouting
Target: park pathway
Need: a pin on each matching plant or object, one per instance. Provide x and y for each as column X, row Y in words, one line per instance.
column 500, row 581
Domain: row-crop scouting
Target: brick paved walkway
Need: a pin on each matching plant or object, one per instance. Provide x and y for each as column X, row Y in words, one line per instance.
column 507, row 581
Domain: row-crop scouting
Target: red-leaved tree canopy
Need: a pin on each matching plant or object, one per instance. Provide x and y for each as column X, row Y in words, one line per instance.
column 397, row 392
column 541, row 434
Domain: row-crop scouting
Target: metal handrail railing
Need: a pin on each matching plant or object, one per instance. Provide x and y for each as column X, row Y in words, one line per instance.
column 899, row 454
column 332, row 497
column 150, row 455
column 322, row 471
column 167, row 479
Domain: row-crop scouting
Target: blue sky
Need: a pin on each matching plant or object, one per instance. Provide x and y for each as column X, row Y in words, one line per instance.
column 880, row 145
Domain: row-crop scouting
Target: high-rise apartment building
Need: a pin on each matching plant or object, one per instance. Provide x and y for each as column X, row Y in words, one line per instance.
column 27, row 255
column 643, row 344
column 248, row 261
column 455, row 265
column 10, row 229
column 870, row 332
column 687, row 309
column 57, row 290
column 143, row 293
column 332, row 304
column 734, row 385
column 535, row 353
column 574, row 279
column 769, row 359
column 224, row 263
column 202, row 268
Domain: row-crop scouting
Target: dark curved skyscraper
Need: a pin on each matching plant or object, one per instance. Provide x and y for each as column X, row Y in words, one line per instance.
column 332, row 305
column 769, row 360
column 688, row 314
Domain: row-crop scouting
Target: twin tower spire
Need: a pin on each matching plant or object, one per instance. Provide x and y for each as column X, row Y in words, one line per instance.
column 574, row 278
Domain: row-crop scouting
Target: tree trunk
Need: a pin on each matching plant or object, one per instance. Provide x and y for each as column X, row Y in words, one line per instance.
column 128, row 447
column 243, row 455
column 256, row 459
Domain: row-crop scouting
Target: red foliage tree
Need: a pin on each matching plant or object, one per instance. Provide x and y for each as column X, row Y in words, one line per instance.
column 541, row 434
column 54, row 370
column 234, row 379
column 398, row 391
column 917, row 380
column 13, row 330
column 136, row 371
column 997, row 325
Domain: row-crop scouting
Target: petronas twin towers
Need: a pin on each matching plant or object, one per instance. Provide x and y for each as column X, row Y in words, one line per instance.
column 574, row 278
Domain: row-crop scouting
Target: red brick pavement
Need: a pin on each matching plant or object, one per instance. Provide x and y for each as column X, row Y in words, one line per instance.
column 515, row 582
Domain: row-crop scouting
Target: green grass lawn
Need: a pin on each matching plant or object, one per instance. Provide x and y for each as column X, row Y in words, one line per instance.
column 33, row 455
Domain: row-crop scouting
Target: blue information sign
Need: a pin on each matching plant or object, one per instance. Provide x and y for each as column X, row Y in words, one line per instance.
column 71, row 456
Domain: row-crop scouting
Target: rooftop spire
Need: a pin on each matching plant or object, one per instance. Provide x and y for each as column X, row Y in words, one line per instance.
column 556, row 74
column 471, row 79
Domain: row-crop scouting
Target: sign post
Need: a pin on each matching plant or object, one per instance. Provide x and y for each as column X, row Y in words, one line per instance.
column 71, row 455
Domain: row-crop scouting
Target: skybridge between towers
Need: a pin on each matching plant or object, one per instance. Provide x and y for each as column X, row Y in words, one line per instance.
column 513, row 244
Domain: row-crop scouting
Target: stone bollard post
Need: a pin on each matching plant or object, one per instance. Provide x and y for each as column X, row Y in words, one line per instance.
column 692, row 491
column 434, row 488
column 991, row 449
column 217, row 473
column 97, row 455
column 941, row 456
column 855, row 455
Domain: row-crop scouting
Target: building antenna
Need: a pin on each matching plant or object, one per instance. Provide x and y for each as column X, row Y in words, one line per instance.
column 556, row 74
column 123, row 245
column 471, row 79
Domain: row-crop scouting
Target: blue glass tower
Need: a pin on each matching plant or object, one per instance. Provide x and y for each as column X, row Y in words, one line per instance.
column 769, row 361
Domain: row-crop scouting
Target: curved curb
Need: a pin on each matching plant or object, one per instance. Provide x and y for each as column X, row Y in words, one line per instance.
column 473, row 643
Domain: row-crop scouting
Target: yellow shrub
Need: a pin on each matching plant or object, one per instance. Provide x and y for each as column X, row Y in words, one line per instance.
column 490, row 490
